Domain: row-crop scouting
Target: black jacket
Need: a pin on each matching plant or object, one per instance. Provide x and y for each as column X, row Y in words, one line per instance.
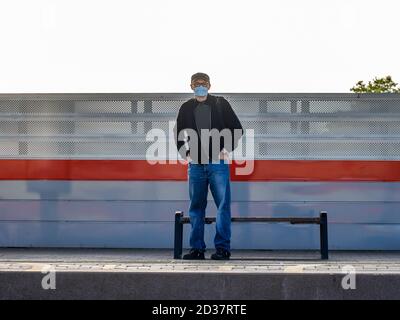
column 222, row 118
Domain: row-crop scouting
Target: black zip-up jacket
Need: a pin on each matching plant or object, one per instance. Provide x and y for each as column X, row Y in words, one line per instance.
column 224, row 118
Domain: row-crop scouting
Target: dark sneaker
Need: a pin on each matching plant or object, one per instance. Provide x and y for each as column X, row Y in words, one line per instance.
column 194, row 254
column 221, row 254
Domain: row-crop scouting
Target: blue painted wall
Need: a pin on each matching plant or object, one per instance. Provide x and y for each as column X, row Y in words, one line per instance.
column 138, row 214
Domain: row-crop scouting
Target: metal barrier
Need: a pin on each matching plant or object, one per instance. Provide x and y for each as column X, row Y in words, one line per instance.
column 87, row 198
column 180, row 220
column 114, row 126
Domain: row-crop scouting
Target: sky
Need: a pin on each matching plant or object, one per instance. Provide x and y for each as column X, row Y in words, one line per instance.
column 140, row 46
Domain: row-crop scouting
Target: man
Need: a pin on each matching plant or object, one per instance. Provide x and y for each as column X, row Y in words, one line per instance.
column 207, row 165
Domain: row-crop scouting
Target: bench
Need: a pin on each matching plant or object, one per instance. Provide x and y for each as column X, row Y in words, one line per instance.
column 322, row 220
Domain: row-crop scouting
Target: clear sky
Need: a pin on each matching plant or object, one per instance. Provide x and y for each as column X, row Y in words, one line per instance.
column 155, row 45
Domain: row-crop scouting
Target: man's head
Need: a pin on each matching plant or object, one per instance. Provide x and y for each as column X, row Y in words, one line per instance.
column 200, row 83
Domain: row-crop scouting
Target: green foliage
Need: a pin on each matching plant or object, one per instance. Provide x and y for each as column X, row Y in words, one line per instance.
column 377, row 85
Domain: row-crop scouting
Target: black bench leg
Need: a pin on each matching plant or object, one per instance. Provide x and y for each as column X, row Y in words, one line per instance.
column 324, row 235
column 178, row 235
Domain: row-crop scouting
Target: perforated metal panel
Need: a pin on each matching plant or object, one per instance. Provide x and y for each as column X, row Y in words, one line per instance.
column 114, row 126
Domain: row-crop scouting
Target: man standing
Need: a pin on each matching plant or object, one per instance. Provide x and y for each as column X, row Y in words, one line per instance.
column 207, row 157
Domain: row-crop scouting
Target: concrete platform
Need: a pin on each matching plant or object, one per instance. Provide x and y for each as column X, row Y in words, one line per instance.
column 153, row 274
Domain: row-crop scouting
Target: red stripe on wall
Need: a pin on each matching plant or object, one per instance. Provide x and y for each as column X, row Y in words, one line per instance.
column 264, row 170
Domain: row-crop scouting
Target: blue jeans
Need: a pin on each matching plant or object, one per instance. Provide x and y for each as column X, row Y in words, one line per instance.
column 215, row 175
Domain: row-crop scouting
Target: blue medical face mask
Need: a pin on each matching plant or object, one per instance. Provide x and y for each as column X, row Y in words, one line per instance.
column 200, row 91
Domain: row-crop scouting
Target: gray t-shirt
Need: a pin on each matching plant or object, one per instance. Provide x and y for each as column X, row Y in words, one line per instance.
column 202, row 115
